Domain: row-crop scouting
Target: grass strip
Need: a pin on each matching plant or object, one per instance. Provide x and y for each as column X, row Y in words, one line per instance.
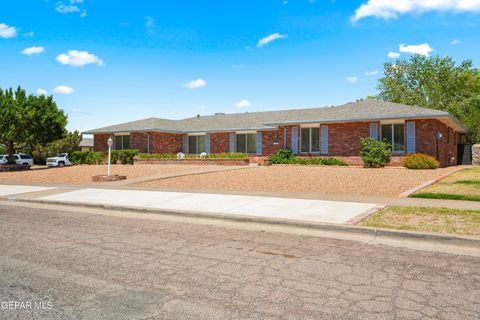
column 471, row 182
column 446, row 196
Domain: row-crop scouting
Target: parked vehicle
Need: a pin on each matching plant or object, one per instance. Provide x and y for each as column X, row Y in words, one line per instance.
column 60, row 160
column 21, row 158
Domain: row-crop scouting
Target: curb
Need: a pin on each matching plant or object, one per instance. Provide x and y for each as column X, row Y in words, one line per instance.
column 407, row 193
column 432, row 238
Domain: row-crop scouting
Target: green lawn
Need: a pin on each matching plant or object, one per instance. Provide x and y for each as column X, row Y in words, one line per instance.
column 461, row 185
column 443, row 220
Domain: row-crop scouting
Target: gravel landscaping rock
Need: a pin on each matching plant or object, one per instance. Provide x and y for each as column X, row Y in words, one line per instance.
column 324, row 180
column 83, row 174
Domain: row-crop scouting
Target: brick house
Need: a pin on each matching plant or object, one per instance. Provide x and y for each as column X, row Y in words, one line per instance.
column 323, row 132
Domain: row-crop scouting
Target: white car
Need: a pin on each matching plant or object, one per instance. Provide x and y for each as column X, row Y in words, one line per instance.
column 21, row 158
column 60, row 160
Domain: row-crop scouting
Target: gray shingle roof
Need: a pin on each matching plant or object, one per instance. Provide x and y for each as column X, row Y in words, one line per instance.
column 357, row 111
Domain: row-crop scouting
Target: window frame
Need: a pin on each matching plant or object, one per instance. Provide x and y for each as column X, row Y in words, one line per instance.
column 197, row 144
column 246, row 134
column 392, row 131
column 310, row 140
column 122, row 138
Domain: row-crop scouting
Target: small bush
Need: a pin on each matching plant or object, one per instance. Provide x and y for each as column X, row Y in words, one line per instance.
column 375, row 154
column 123, row 156
column 420, row 161
column 283, row 156
column 78, row 157
column 96, row 158
column 225, row 155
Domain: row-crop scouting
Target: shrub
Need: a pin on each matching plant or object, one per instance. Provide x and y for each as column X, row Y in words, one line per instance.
column 96, row 158
column 78, row 157
column 375, row 153
column 226, row 155
column 286, row 156
column 420, row 161
column 283, row 156
column 123, row 156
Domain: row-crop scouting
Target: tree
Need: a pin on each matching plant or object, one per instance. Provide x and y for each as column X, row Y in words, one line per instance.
column 436, row 83
column 29, row 120
column 68, row 143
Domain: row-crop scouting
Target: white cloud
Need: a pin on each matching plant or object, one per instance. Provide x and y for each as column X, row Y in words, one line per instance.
column 33, row 50
column 196, row 84
column 7, row 31
column 423, row 49
column 371, row 73
column 352, row 79
column 266, row 40
column 77, row 58
column 455, row 41
column 243, row 104
column 391, row 9
column 29, row 34
column 63, row 90
column 83, row 14
column 41, row 91
column 63, row 9
column 393, row 55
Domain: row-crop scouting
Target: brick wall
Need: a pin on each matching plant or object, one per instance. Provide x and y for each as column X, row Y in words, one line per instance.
column 268, row 138
column 344, row 138
column 100, row 141
column 426, row 131
column 220, row 142
column 161, row 142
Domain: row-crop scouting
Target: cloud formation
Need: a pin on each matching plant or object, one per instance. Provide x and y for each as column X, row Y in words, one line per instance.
column 7, row 31
column 196, row 84
column 33, row 50
column 371, row 73
column 242, row 104
column 393, row 55
column 391, row 9
column 455, row 42
column 423, row 49
column 266, row 40
column 77, row 58
column 63, row 90
column 71, row 8
column 352, row 79
column 41, row 91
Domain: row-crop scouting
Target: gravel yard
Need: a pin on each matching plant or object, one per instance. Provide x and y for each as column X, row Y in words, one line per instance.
column 325, row 180
column 83, row 174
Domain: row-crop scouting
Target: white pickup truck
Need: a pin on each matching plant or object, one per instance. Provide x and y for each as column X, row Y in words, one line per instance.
column 60, row 160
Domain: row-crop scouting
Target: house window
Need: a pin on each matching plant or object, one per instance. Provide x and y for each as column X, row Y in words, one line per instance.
column 196, row 144
column 122, row 142
column 394, row 134
column 310, row 138
column 246, row 142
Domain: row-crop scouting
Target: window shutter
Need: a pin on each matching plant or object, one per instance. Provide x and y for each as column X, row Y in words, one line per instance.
column 295, row 140
column 374, row 131
column 232, row 142
column 324, row 139
column 259, row 143
column 207, row 143
column 411, row 137
column 284, row 137
column 185, row 144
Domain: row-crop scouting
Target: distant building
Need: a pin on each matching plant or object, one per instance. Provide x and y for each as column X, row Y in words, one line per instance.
column 86, row 144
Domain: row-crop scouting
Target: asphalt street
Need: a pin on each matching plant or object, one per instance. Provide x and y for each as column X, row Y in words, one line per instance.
column 60, row 264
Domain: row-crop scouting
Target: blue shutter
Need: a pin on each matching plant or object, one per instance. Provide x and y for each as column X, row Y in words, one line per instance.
column 185, row 144
column 207, row 143
column 295, row 140
column 259, row 143
column 374, row 131
column 324, row 139
column 284, row 137
column 411, row 137
column 232, row 142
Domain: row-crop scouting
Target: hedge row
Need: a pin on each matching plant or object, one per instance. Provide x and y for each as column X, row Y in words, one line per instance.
column 101, row 157
column 285, row 156
column 225, row 155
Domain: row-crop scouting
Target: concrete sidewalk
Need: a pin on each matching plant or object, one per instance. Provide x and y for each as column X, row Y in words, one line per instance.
column 235, row 205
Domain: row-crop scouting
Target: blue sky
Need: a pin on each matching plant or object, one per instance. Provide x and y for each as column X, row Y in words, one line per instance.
column 107, row 62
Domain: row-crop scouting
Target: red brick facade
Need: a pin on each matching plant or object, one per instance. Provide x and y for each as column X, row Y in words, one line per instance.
column 343, row 140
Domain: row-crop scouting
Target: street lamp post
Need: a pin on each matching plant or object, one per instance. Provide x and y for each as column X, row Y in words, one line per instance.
column 110, row 144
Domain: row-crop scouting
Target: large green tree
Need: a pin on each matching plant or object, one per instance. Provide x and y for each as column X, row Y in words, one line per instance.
column 435, row 83
column 28, row 119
